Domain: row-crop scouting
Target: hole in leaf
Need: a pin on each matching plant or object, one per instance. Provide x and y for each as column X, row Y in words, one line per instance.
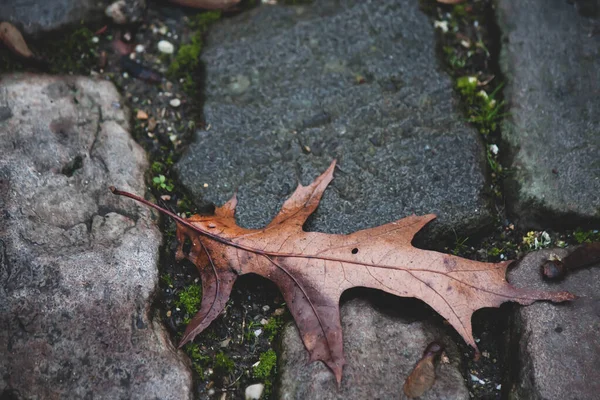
column 187, row 246
column 354, row 250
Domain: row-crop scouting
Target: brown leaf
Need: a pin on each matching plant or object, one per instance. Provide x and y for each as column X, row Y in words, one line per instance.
column 207, row 4
column 422, row 376
column 313, row 269
column 12, row 38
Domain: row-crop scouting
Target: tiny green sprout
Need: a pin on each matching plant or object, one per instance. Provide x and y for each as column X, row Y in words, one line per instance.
column 467, row 85
column 537, row 240
column 157, row 167
column 160, row 182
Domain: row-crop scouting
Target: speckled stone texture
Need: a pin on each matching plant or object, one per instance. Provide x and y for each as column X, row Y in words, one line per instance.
column 288, row 89
column 381, row 349
column 78, row 265
column 556, row 346
column 35, row 17
column 551, row 60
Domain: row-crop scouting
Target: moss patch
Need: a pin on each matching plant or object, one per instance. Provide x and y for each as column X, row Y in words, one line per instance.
column 266, row 370
column 185, row 65
column 223, row 365
column 189, row 300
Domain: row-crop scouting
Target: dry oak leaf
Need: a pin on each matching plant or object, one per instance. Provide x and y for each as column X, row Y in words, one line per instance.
column 313, row 269
column 12, row 38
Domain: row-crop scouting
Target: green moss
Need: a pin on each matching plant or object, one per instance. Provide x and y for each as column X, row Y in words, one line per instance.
column 495, row 252
column 76, row 54
column 273, row 327
column 189, row 300
column 586, row 236
column 187, row 60
column 199, row 360
column 166, row 278
column 223, row 365
column 266, row 370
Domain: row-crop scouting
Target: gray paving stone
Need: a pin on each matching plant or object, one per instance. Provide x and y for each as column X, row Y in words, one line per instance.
column 381, row 350
column 551, row 60
column 39, row 17
column 282, row 101
column 556, row 347
column 78, row 265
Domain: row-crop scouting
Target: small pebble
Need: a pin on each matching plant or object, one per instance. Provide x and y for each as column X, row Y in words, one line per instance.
column 175, row 102
column 257, row 332
column 264, row 321
column 139, row 48
column 115, row 11
column 152, row 124
column 95, row 39
column 141, row 115
column 498, row 386
column 254, row 392
column 266, row 308
column 166, row 47
column 162, row 30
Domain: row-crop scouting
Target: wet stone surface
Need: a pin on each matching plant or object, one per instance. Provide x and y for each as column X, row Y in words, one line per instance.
column 78, row 265
column 288, row 89
column 381, row 347
column 39, row 17
column 551, row 59
column 556, row 347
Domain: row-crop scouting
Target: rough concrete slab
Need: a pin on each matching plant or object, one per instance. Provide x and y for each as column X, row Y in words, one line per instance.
column 381, row 350
column 551, row 60
column 288, row 89
column 78, row 266
column 557, row 346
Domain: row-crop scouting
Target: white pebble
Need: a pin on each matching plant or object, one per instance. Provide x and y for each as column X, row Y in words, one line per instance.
column 95, row 39
column 139, row 48
column 257, row 332
column 253, row 392
column 175, row 102
column 166, row 47
column 494, row 149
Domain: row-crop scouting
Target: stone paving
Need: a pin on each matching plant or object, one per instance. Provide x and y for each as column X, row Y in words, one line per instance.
column 556, row 347
column 78, row 266
column 551, row 60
